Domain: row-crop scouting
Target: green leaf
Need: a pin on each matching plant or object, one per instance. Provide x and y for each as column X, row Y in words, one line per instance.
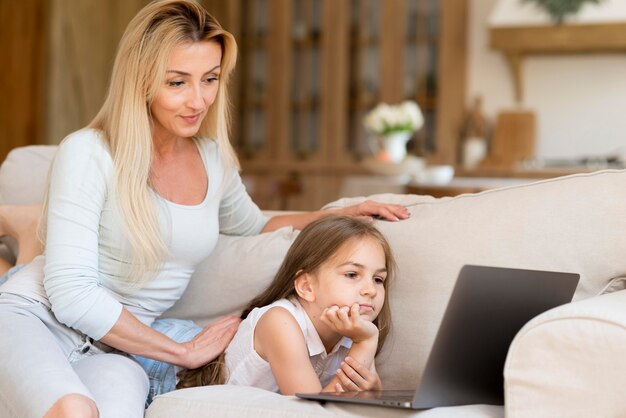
column 559, row 9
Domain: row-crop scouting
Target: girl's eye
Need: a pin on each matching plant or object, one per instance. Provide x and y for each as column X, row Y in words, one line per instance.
column 379, row 280
column 350, row 275
column 175, row 83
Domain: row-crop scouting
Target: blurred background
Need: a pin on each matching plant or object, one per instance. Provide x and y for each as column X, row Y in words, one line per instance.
column 505, row 92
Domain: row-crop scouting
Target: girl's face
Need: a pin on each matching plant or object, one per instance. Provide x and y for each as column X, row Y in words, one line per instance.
column 190, row 87
column 355, row 274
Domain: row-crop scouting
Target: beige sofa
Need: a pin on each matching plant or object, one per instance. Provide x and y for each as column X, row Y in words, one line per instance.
column 568, row 362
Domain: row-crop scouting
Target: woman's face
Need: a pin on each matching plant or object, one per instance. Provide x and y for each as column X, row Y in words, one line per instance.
column 191, row 83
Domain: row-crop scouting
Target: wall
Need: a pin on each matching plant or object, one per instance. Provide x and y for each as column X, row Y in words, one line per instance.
column 82, row 43
column 579, row 100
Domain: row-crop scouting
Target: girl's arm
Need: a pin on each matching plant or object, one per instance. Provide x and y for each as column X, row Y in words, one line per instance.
column 367, row 208
column 355, row 376
column 278, row 339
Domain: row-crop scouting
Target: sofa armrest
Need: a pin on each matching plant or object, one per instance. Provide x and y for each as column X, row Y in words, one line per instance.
column 570, row 361
column 24, row 174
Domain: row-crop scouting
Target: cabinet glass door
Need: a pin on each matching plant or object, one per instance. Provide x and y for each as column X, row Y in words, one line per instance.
column 306, row 28
column 253, row 64
column 393, row 60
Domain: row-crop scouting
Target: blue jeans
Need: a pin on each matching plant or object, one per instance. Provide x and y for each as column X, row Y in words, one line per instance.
column 162, row 376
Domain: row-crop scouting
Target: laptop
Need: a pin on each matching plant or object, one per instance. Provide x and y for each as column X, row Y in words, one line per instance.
column 488, row 306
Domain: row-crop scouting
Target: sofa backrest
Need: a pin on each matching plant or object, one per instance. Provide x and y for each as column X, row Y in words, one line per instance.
column 24, row 173
column 572, row 224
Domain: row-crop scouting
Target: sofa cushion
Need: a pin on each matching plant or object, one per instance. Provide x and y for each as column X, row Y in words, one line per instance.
column 569, row 361
column 237, row 270
column 24, row 174
column 23, row 178
column 239, row 401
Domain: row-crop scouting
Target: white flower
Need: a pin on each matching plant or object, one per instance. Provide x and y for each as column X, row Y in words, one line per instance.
column 385, row 119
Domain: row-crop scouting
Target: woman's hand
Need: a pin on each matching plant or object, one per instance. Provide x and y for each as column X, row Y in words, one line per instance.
column 347, row 321
column 354, row 377
column 372, row 209
column 210, row 342
column 367, row 209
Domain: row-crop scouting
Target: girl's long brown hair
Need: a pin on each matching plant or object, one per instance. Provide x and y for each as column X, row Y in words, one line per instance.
column 317, row 243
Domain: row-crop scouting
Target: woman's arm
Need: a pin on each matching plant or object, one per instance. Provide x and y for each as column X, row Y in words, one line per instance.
column 367, row 208
column 78, row 191
column 131, row 336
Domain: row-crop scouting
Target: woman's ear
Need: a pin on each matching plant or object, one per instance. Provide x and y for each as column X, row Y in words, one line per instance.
column 304, row 286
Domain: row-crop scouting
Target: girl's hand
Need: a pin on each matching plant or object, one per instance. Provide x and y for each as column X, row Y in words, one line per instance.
column 210, row 342
column 347, row 321
column 355, row 377
column 371, row 209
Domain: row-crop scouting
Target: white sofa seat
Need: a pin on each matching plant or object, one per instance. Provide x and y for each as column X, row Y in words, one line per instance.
column 236, row 402
column 567, row 362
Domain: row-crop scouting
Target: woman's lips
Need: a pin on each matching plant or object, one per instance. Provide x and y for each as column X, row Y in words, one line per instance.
column 191, row 119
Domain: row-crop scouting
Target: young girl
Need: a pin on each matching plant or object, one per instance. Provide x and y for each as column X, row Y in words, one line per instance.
column 327, row 301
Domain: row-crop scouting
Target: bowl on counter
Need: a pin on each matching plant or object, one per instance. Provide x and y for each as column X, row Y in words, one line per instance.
column 409, row 166
column 435, row 174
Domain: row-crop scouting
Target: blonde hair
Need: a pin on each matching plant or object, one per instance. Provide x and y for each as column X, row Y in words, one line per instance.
column 125, row 120
column 317, row 243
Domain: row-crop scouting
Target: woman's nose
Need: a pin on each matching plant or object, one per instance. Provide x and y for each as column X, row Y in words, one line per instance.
column 195, row 100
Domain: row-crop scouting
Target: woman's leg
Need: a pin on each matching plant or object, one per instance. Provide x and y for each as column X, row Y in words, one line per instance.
column 118, row 384
column 37, row 377
column 48, row 369
column 20, row 222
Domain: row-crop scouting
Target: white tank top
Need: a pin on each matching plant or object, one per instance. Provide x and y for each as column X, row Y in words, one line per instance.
column 246, row 368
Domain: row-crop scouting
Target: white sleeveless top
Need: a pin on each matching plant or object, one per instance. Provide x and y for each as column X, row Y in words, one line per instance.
column 246, row 368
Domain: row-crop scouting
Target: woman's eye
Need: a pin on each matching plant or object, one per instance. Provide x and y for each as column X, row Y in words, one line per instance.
column 350, row 275
column 212, row 79
column 379, row 280
column 175, row 83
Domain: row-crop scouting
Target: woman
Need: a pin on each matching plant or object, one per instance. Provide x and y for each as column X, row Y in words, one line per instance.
column 135, row 202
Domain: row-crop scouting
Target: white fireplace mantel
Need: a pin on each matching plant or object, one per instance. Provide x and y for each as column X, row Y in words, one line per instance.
column 518, row 28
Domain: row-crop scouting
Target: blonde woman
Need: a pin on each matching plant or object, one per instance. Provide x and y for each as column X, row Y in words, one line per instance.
column 136, row 200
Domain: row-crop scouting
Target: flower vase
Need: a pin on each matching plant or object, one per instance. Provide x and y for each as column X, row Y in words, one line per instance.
column 393, row 146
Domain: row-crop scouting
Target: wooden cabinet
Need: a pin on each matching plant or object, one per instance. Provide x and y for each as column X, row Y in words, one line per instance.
column 23, row 32
column 309, row 70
